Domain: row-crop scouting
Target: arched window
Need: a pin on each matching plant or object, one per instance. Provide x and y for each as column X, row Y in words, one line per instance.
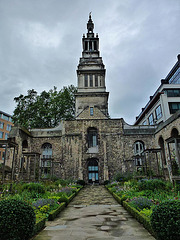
column 174, row 133
column 24, row 144
column 138, row 151
column 138, row 148
column 174, row 151
column 47, row 150
column 92, row 137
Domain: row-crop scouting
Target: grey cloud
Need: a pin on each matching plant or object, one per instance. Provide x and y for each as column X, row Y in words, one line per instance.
column 139, row 42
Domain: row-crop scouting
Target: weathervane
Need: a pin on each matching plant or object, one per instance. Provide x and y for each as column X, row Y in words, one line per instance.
column 90, row 14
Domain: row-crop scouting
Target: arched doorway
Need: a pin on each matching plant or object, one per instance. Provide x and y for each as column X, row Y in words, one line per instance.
column 93, row 171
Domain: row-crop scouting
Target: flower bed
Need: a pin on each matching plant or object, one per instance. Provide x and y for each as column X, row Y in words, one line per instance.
column 47, row 199
column 142, row 198
column 53, row 214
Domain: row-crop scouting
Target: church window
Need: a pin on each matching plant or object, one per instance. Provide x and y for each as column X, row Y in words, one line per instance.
column 91, row 111
column 95, row 45
column 86, row 45
column 47, row 150
column 138, row 152
column 91, row 80
column 92, row 137
column 138, row 148
column 100, row 82
column 90, row 46
column 96, row 80
column 86, row 80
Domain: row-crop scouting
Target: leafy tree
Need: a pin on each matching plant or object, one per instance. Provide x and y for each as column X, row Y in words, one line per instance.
column 45, row 110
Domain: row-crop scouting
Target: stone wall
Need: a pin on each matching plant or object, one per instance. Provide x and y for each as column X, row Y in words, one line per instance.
column 70, row 150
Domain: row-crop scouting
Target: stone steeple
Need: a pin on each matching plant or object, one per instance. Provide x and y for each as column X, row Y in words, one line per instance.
column 91, row 91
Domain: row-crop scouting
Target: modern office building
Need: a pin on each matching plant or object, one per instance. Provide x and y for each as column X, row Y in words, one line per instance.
column 5, row 128
column 165, row 101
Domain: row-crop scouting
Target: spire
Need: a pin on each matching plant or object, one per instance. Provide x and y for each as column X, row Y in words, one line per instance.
column 90, row 24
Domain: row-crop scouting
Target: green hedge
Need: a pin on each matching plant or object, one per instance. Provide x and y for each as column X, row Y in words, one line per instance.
column 140, row 217
column 53, row 214
column 135, row 213
column 165, row 220
column 78, row 190
column 39, row 226
column 70, row 198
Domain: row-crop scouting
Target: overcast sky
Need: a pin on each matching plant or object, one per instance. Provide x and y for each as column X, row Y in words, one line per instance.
column 40, row 47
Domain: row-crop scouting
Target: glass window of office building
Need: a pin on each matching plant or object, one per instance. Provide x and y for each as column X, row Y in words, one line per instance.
column 175, row 79
column 1, row 125
column 158, row 112
column 8, row 128
column 1, row 135
column 6, row 136
column 151, row 119
column 172, row 92
column 174, row 107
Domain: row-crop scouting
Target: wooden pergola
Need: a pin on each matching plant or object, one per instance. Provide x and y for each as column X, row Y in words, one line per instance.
column 148, row 164
column 8, row 144
column 30, row 156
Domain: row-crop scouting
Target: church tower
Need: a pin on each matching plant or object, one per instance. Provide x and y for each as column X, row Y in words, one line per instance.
column 91, row 97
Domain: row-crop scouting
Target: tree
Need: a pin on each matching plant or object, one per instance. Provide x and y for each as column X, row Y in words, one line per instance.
column 45, row 110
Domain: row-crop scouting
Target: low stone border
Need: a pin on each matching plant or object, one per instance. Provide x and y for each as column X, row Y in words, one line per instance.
column 134, row 212
column 39, row 226
column 53, row 214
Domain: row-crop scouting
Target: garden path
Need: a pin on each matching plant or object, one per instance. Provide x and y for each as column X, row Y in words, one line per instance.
column 94, row 215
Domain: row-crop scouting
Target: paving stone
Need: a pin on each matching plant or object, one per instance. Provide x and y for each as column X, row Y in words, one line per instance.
column 105, row 228
column 94, row 215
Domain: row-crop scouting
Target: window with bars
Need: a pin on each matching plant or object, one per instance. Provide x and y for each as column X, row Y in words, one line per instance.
column 47, row 150
column 92, row 137
column 91, row 111
column 91, row 80
column 138, row 148
column 86, row 80
column 96, row 80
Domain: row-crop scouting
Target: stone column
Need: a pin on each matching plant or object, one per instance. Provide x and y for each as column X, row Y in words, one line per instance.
column 106, row 173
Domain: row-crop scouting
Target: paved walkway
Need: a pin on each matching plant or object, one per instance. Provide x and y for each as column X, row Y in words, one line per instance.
column 94, row 215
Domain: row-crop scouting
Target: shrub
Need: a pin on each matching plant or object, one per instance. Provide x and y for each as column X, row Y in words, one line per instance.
column 106, row 182
column 81, row 182
column 63, row 199
column 62, row 182
column 17, row 220
column 151, row 184
column 121, row 177
column 34, row 187
column 146, row 212
column 165, row 220
column 141, row 203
